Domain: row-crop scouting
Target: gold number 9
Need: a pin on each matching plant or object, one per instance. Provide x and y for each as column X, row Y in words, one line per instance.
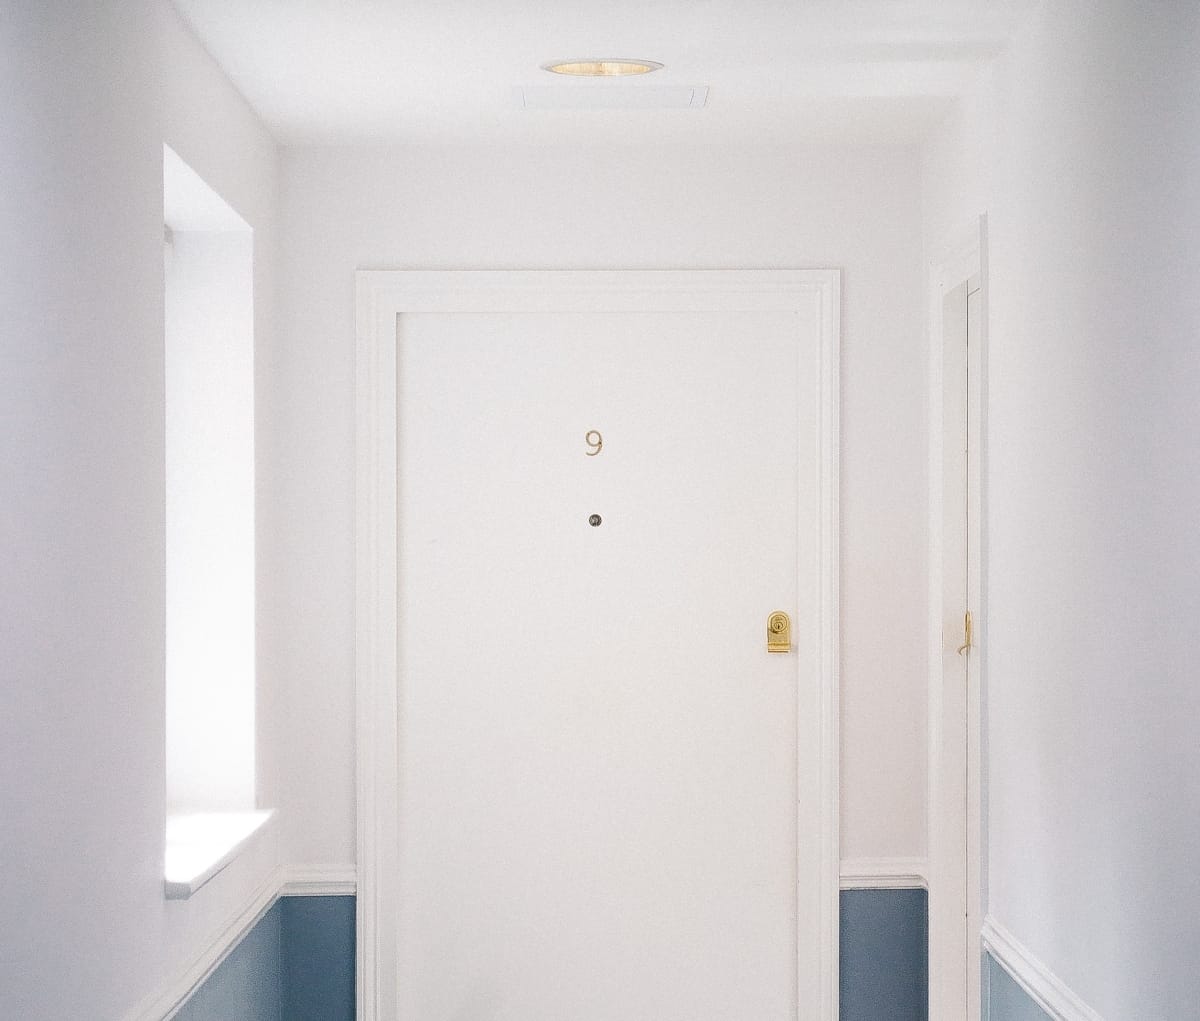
column 594, row 440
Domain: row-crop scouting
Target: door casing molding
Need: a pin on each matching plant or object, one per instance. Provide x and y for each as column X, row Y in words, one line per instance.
column 383, row 296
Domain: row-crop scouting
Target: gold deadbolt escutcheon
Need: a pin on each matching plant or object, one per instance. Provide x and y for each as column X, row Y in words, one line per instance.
column 779, row 632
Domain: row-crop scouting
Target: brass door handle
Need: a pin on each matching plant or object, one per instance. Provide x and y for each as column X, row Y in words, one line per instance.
column 968, row 642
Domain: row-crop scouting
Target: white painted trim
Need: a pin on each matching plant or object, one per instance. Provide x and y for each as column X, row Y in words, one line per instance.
column 169, row 1000
column 976, row 814
column 319, row 881
column 885, row 874
column 829, row 284
column 953, row 795
column 1045, row 988
column 375, row 618
column 383, row 295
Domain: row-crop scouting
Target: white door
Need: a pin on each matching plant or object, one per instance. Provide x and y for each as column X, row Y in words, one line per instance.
column 955, row 904
column 601, row 801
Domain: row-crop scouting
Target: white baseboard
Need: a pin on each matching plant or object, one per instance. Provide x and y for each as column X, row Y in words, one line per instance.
column 319, row 881
column 885, row 873
column 1045, row 988
column 289, row 881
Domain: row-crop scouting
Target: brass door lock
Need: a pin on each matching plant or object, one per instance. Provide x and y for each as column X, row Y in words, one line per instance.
column 779, row 632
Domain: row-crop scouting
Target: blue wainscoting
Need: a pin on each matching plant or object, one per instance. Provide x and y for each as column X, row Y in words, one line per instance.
column 248, row 984
column 1003, row 999
column 318, row 958
column 884, row 955
column 297, row 963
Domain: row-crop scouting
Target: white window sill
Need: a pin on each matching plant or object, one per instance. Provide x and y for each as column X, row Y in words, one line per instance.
column 201, row 844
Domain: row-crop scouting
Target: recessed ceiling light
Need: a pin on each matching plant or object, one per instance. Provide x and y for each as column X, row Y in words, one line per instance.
column 596, row 67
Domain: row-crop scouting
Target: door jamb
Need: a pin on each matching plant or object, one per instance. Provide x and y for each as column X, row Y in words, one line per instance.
column 384, row 295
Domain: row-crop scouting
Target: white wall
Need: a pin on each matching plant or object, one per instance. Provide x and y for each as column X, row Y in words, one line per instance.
column 1083, row 146
column 210, row 654
column 465, row 208
column 88, row 95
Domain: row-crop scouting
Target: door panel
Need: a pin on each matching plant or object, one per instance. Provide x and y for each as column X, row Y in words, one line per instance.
column 597, row 756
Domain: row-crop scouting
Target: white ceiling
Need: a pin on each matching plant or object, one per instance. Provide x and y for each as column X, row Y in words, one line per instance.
column 778, row 71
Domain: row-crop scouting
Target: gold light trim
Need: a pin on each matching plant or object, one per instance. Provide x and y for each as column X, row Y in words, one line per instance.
column 606, row 68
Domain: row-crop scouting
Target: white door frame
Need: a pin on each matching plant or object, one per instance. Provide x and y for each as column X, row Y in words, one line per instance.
column 383, row 296
column 957, row 871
